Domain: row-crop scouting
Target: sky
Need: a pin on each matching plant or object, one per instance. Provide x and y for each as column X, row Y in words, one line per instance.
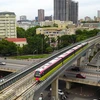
column 30, row 7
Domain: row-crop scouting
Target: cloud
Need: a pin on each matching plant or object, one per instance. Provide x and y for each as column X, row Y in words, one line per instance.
column 26, row 7
column 88, row 8
column 30, row 7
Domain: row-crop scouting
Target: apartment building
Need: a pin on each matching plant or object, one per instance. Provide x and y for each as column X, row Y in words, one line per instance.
column 25, row 24
column 40, row 15
column 8, row 25
column 60, row 24
column 66, row 10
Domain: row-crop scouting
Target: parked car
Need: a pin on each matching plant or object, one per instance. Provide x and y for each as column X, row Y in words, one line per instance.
column 80, row 76
column 60, row 93
column 2, row 63
column 75, row 69
column 40, row 98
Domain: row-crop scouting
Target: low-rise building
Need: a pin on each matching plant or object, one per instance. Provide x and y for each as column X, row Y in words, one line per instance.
column 19, row 41
column 90, row 25
column 60, row 24
column 48, row 18
column 46, row 23
column 55, row 32
column 87, row 18
column 25, row 24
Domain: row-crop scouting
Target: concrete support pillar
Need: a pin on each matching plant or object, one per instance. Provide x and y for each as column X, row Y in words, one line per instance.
column 92, row 52
column 68, row 85
column 54, row 91
column 95, row 48
column 87, row 57
column 89, row 53
column 78, row 61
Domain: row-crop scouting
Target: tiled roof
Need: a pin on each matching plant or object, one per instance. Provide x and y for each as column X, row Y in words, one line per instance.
column 16, row 39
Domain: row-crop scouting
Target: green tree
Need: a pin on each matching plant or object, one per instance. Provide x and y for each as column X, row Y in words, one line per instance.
column 55, row 25
column 20, row 32
column 73, row 38
column 78, row 32
column 36, row 43
column 65, row 40
column 7, row 48
column 26, row 49
column 49, row 49
column 53, row 40
column 31, row 31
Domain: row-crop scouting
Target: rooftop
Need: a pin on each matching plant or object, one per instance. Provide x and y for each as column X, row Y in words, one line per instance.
column 16, row 39
column 4, row 13
column 24, row 20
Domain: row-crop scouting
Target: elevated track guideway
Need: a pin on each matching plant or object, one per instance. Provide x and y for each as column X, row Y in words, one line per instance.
column 22, row 83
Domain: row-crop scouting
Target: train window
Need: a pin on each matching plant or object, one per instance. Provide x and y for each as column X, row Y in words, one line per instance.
column 75, row 48
column 43, row 73
column 37, row 74
column 56, row 58
column 63, row 55
column 53, row 61
column 48, row 64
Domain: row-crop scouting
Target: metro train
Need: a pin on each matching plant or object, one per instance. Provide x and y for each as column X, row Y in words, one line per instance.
column 50, row 67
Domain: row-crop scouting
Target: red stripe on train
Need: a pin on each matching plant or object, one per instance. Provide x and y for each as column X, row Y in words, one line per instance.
column 37, row 79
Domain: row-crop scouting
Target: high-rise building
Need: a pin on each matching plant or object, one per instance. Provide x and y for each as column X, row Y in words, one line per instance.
column 40, row 15
column 23, row 17
column 95, row 18
column 98, row 13
column 66, row 10
column 48, row 18
column 87, row 18
column 7, row 25
column 36, row 19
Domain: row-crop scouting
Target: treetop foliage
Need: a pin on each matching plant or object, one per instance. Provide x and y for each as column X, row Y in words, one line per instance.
column 39, row 44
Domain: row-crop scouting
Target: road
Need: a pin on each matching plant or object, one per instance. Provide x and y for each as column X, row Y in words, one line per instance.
column 16, row 65
column 77, row 92
column 96, row 60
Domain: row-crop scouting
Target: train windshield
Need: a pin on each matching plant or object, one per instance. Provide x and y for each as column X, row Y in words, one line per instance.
column 37, row 74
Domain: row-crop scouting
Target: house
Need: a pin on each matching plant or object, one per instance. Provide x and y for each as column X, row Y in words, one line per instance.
column 19, row 41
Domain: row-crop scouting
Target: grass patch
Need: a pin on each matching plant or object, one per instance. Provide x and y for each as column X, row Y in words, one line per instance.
column 31, row 56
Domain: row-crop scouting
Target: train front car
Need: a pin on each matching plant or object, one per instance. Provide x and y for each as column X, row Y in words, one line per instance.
column 46, row 70
column 37, row 75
